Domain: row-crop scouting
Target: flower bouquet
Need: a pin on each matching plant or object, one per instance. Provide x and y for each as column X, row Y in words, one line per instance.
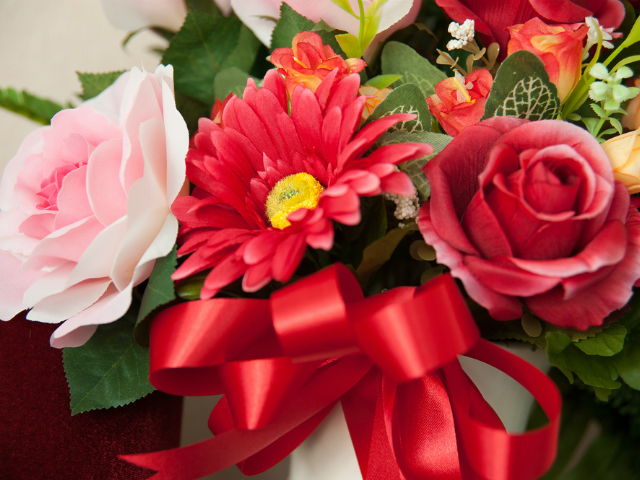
column 309, row 204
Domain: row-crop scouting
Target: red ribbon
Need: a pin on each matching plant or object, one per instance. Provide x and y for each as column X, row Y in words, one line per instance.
column 391, row 360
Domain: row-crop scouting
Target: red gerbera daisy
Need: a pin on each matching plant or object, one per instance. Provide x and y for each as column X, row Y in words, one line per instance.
column 268, row 184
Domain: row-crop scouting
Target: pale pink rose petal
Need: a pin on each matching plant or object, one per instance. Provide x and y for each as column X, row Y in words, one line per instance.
column 61, row 306
column 106, row 195
column 111, row 306
column 69, row 242
column 97, row 260
column 12, row 287
column 73, row 203
column 51, row 283
column 146, row 106
column 178, row 142
column 8, row 199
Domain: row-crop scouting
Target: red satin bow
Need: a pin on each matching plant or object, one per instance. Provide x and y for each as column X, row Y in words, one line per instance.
column 391, row 360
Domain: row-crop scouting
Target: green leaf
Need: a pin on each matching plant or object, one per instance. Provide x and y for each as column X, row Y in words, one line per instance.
column 23, row 103
column 413, row 168
column 628, row 363
column 400, row 59
column 404, row 99
column 191, row 110
column 522, row 89
column 606, row 343
column 599, row 110
column 204, row 46
column 382, row 81
column 379, row 252
column 230, row 80
column 204, row 6
column 93, row 84
column 592, row 369
column 110, row 370
column 615, row 123
column 290, row 24
column 349, row 45
column 159, row 293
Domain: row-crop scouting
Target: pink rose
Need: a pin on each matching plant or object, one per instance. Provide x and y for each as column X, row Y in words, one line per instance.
column 85, row 206
column 529, row 212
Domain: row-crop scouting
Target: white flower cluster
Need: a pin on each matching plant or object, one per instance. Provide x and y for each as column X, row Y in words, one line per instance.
column 592, row 36
column 462, row 33
column 406, row 207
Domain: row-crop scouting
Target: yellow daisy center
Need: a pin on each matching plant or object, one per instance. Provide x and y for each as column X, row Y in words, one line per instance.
column 289, row 194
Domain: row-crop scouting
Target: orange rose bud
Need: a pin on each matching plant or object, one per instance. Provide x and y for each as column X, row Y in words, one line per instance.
column 376, row 97
column 558, row 46
column 624, row 154
column 632, row 119
column 309, row 61
column 459, row 101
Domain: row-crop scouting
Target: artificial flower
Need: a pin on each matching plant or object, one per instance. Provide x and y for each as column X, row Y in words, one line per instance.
column 375, row 97
column 459, row 101
column 268, row 184
column 132, row 15
column 558, row 46
column 624, row 153
column 530, row 212
column 257, row 15
column 85, row 206
column 309, row 61
column 632, row 119
column 492, row 17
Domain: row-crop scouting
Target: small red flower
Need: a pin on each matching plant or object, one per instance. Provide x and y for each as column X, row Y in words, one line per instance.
column 459, row 101
column 268, row 184
column 309, row 62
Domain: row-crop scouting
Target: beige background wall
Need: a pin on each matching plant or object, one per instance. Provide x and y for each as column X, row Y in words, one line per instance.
column 42, row 44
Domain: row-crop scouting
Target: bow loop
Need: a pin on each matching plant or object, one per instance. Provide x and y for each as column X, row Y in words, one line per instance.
column 310, row 316
column 415, row 331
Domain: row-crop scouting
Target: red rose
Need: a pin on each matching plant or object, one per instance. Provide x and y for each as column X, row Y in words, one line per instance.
column 459, row 101
column 492, row 17
column 529, row 212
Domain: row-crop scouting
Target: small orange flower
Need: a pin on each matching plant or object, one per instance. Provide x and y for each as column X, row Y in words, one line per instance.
column 459, row 101
column 309, row 61
column 376, row 97
column 558, row 46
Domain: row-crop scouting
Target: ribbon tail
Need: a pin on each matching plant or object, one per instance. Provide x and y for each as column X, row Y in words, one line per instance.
column 365, row 412
column 324, row 388
column 492, row 452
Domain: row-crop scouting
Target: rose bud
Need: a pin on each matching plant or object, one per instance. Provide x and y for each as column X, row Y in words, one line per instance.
column 376, row 97
column 624, row 154
column 558, row 46
column 459, row 101
column 632, row 119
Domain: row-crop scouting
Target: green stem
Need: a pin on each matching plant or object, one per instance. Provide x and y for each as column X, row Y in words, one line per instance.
column 362, row 20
